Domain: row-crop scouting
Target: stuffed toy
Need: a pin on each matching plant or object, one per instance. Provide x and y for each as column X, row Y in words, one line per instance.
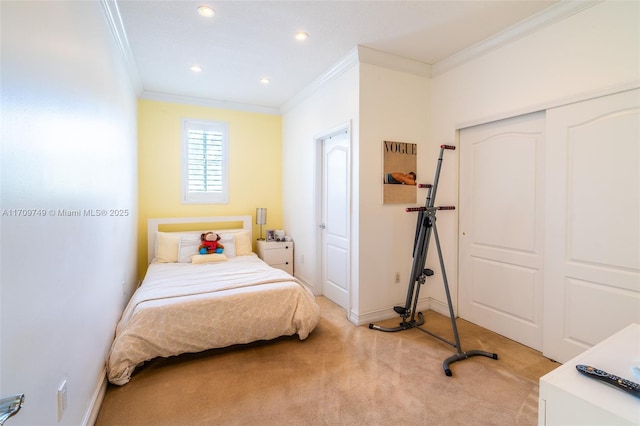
column 209, row 243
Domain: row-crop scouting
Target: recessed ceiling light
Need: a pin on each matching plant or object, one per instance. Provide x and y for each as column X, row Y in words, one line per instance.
column 206, row 11
column 195, row 68
column 264, row 80
column 301, row 35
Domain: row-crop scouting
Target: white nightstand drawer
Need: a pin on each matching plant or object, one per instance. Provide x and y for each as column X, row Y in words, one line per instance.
column 278, row 254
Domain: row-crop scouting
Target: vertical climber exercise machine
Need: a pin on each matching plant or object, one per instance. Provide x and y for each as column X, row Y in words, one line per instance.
column 425, row 225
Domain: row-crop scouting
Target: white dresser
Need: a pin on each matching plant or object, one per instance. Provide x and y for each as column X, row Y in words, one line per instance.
column 278, row 254
column 568, row 397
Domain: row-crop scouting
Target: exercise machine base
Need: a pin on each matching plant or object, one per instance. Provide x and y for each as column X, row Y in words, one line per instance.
column 417, row 323
column 404, row 325
column 462, row 356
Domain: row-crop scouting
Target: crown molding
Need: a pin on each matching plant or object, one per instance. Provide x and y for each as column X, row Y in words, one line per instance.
column 114, row 20
column 357, row 55
column 559, row 11
column 394, row 62
column 209, row 103
column 347, row 62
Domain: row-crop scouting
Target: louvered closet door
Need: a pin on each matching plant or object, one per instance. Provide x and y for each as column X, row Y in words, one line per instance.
column 501, row 227
column 592, row 249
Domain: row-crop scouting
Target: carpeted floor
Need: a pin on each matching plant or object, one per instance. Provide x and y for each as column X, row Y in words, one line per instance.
column 340, row 375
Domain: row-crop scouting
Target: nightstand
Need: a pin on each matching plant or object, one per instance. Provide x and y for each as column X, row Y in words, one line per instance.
column 278, row 254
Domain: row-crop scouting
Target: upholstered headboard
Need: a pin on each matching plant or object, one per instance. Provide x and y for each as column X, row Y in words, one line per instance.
column 204, row 224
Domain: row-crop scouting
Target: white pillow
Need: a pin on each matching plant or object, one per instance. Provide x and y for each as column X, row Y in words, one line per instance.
column 166, row 247
column 243, row 243
column 188, row 245
column 229, row 243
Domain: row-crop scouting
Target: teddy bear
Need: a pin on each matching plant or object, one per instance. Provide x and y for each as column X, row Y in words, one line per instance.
column 209, row 243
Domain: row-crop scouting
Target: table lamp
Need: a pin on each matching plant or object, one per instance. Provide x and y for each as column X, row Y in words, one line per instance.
column 261, row 219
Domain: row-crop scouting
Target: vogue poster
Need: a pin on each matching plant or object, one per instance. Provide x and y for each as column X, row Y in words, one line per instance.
column 399, row 172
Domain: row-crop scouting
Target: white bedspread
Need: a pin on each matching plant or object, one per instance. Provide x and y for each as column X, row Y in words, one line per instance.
column 182, row 307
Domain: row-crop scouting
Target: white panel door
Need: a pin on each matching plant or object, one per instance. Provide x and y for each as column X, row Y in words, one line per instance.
column 592, row 249
column 501, row 227
column 335, row 218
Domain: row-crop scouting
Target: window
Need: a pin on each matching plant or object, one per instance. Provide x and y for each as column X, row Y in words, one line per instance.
column 204, row 162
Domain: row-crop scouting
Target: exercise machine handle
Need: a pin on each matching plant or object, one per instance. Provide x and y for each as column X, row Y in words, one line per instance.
column 447, row 147
column 425, row 185
column 421, row 209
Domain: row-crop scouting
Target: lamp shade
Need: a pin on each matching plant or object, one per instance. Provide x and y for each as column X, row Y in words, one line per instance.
column 261, row 216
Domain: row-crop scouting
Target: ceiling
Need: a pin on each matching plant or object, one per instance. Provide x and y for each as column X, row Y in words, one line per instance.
column 246, row 41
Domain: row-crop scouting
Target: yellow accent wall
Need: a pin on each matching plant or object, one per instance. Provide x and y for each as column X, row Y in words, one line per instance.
column 255, row 166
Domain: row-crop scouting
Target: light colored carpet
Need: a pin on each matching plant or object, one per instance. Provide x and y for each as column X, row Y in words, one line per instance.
column 340, row 375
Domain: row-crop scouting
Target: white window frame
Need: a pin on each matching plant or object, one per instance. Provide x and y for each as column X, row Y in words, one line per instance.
column 211, row 197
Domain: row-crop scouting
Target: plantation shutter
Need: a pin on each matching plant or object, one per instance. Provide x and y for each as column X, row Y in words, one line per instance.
column 204, row 162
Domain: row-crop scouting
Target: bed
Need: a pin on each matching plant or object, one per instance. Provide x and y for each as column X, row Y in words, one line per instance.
column 189, row 302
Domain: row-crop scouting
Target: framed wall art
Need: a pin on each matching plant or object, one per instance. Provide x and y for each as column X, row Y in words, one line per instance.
column 399, row 172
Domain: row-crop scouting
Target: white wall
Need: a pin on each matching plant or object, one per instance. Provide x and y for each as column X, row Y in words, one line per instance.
column 68, row 143
column 588, row 52
column 394, row 106
column 334, row 103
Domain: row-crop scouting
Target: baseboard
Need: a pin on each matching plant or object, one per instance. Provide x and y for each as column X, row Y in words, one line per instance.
column 91, row 415
column 387, row 313
column 439, row 307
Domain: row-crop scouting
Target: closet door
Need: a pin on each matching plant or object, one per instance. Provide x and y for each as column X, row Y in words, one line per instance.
column 501, row 227
column 592, row 210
